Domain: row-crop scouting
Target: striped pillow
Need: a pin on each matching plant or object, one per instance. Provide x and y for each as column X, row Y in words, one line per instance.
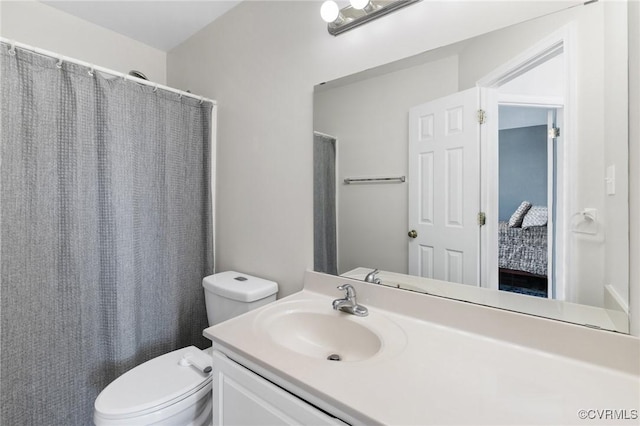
column 518, row 216
column 536, row 216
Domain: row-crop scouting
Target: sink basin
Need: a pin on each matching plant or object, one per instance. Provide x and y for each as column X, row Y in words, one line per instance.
column 321, row 335
column 319, row 332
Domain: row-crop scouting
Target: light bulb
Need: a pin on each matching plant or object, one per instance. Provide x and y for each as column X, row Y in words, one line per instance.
column 329, row 11
column 359, row 4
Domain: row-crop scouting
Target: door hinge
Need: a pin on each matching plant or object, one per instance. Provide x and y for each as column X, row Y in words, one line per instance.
column 554, row 132
column 482, row 219
column 481, row 116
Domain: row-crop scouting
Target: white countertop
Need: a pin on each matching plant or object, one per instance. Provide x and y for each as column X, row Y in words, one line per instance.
column 593, row 316
column 462, row 364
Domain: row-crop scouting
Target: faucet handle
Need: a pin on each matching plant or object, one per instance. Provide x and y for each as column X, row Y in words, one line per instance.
column 351, row 292
column 371, row 277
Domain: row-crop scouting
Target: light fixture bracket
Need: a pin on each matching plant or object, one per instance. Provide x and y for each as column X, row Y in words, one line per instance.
column 355, row 17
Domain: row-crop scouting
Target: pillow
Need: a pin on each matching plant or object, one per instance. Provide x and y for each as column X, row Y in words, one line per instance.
column 516, row 218
column 536, row 216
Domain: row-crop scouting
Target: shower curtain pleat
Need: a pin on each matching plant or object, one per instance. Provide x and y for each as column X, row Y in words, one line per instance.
column 324, row 204
column 105, row 233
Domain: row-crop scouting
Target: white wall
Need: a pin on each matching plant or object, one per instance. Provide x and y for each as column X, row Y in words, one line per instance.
column 545, row 80
column 616, row 106
column 600, row 115
column 634, row 163
column 265, row 93
column 43, row 26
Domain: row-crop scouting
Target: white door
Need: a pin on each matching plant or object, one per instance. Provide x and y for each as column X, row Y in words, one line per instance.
column 444, row 187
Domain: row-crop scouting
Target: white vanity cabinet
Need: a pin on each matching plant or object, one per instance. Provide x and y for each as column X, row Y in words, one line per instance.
column 241, row 397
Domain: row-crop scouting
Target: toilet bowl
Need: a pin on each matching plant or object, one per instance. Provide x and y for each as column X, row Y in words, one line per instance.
column 175, row 388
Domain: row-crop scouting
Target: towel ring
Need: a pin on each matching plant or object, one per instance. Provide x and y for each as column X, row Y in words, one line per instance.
column 12, row 49
column 59, row 64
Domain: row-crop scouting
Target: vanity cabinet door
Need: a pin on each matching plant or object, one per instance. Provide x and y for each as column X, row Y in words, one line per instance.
column 241, row 397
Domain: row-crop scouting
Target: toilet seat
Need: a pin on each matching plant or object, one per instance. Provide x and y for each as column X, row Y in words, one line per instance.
column 153, row 386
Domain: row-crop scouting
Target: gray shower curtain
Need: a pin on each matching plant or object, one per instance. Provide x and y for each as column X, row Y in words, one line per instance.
column 324, row 204
column 105, row 220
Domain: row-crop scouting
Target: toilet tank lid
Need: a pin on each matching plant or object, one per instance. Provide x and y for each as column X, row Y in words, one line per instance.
column 241, row 287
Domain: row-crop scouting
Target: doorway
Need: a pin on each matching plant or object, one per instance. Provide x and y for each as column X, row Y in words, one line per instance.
column 529, row 95
column 528, row 138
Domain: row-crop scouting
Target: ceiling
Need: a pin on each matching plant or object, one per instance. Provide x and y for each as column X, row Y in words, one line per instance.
column 160, row 24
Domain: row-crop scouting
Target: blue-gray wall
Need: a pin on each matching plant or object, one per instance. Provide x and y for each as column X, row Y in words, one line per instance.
column 523, row 168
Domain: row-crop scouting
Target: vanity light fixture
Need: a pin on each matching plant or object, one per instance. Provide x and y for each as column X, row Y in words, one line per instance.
column 357, row 13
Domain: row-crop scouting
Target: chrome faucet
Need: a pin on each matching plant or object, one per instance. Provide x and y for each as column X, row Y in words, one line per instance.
column 371, row 277
column 348, row 303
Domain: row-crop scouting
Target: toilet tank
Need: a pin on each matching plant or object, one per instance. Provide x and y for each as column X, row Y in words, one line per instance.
column 229, row 294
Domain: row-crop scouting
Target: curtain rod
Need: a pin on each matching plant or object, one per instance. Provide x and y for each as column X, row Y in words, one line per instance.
column 13, row 44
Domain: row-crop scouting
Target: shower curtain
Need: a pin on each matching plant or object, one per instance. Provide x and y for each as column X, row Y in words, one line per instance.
column 324, row 204
column 106, row 234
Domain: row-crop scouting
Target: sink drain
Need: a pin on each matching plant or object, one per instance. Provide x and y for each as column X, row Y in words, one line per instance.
column 334, row 357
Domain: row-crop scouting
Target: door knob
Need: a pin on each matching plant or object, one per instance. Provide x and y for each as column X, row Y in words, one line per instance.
column 413, row 233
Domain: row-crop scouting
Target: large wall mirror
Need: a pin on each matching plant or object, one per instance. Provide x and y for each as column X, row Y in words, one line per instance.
column 494, row 170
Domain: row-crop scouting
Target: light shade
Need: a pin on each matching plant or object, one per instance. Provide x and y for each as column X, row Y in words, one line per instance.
column 359, row 4
column 329, row 11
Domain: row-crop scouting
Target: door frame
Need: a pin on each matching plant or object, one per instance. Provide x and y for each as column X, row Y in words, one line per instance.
column 560, row 42
column 554, row 108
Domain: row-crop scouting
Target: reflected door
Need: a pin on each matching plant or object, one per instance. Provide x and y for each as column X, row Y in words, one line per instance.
column 444, row 188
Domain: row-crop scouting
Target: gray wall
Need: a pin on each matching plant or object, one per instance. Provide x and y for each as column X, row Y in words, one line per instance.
column 523, row 168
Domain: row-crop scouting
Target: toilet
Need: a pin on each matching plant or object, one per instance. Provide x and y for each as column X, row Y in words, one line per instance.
column 175, row 388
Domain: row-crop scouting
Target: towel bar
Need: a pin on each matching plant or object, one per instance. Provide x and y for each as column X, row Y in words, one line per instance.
column 381, row 179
